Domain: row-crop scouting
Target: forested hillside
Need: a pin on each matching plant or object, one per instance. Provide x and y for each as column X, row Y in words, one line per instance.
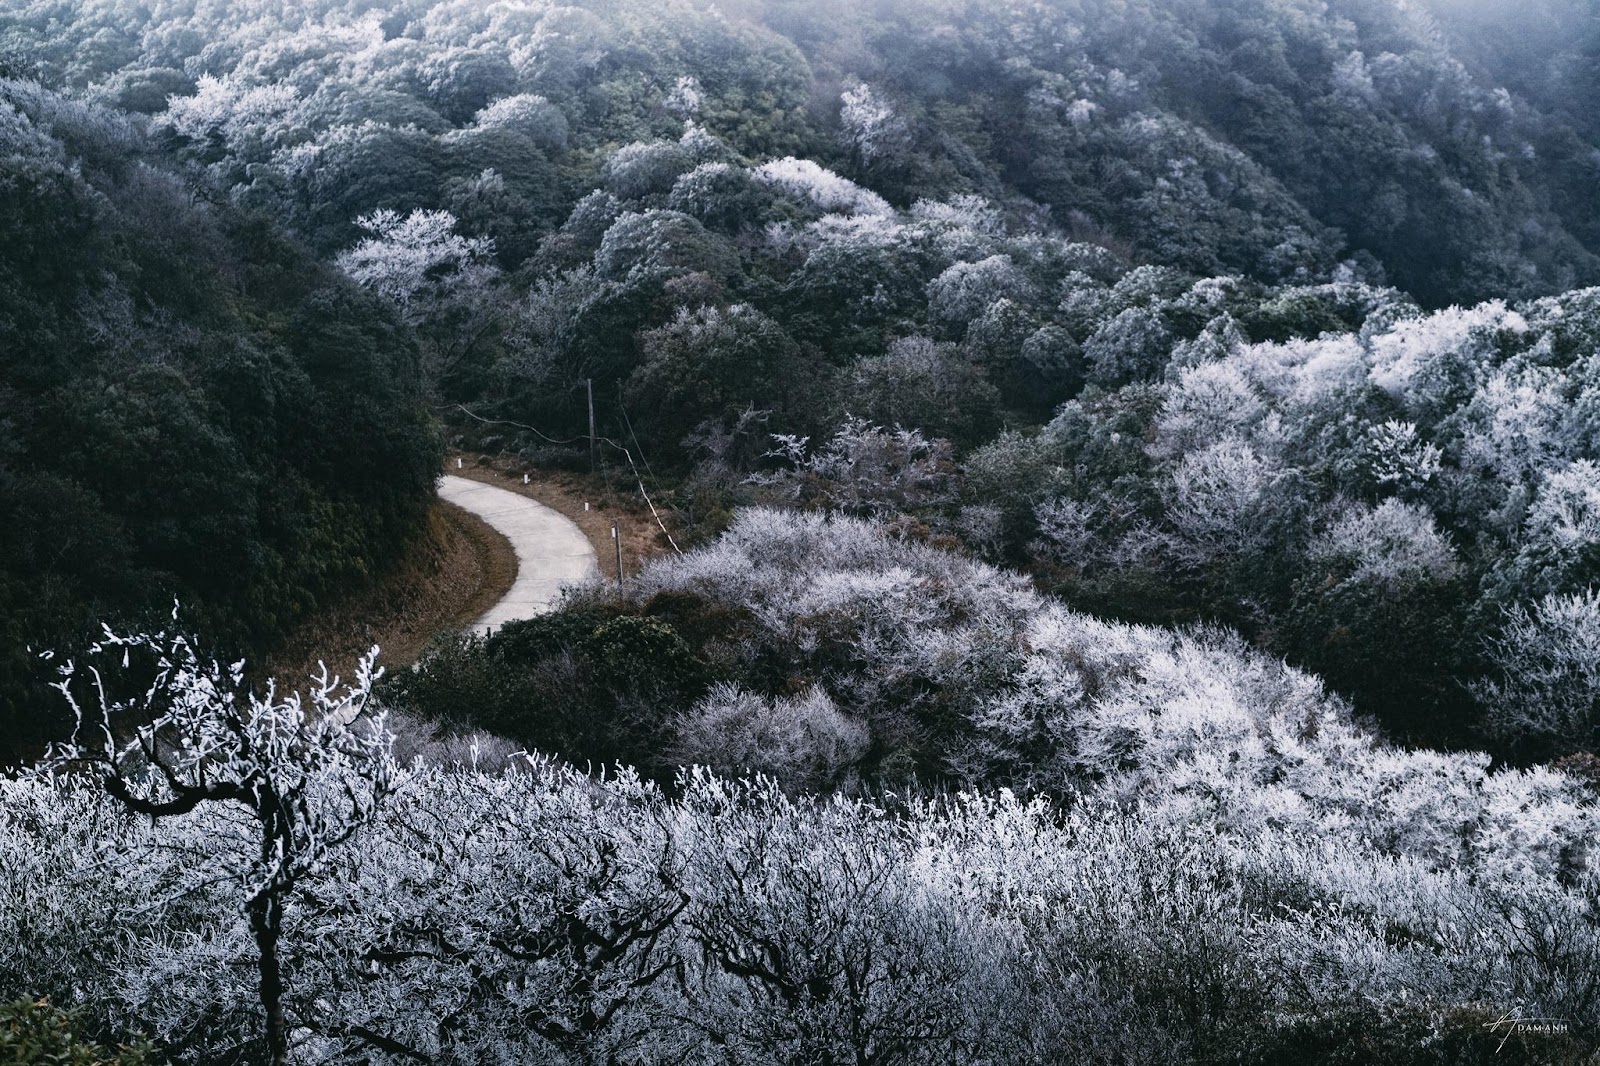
column 1137, row 474
column 1270, row 138
column 191, row 406
column 1214, row 232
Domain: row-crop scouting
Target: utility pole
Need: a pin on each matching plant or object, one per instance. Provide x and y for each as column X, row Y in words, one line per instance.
column 589, row 385
column 617, row 541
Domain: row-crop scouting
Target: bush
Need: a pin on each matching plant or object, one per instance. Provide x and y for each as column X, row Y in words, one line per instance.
column 39, row 1034
column 591, row 685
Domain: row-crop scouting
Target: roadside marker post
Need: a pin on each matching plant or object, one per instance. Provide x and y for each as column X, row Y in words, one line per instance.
column 617, row 541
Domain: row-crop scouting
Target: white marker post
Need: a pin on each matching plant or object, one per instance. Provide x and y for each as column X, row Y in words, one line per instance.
column 616, row 540
column 524, row 479
column 458, row 462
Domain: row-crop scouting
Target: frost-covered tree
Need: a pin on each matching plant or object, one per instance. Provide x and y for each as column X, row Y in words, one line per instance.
column 532, row 116
column 686, row 97
column 718, row 194
column 710, row 364
column 1228, row 502
column 927, row 386
column 1400, row 460
column 308, row 773
column 526, row 914
column 647, row 247
column 418, row 261
column 1386, row 546
column 864, row 469
column 871, row 127
column 825, row 947
column 1546, row 689
column 965, row 290
column 1132, row 345
column 814, row 185
column 638, row 170
column 1558, row 549
column 442, row 282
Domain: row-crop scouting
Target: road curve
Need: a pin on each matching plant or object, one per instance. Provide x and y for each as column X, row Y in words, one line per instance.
column 551, row 550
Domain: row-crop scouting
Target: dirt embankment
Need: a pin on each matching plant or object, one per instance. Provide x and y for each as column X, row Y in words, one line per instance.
column 456, row 569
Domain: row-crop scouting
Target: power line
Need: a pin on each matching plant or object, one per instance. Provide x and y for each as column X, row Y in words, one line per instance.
column 645, row 459
column 503, row 422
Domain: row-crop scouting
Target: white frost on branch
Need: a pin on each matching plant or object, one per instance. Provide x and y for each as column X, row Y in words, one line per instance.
column 807, row 181
column 418, row 260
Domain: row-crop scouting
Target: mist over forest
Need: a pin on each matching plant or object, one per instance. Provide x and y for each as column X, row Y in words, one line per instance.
column 1120, row 487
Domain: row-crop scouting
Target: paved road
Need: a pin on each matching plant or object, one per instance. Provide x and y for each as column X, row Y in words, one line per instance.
column 551, row 550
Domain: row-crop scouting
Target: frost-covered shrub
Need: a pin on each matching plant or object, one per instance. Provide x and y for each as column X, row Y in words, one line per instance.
column 685, row 98
column 1414, row 358
column 1514, row 427
column 994, row 684
column 803, row 742
column 525, row 916
column 251, row 119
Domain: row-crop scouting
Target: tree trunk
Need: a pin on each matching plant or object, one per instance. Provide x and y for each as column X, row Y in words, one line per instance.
column 266, row 919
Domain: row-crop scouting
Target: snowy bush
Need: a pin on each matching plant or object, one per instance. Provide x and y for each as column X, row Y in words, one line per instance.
column 803, row 742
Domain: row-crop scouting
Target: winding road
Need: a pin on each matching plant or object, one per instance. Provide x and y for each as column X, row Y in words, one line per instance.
column 551, row 550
